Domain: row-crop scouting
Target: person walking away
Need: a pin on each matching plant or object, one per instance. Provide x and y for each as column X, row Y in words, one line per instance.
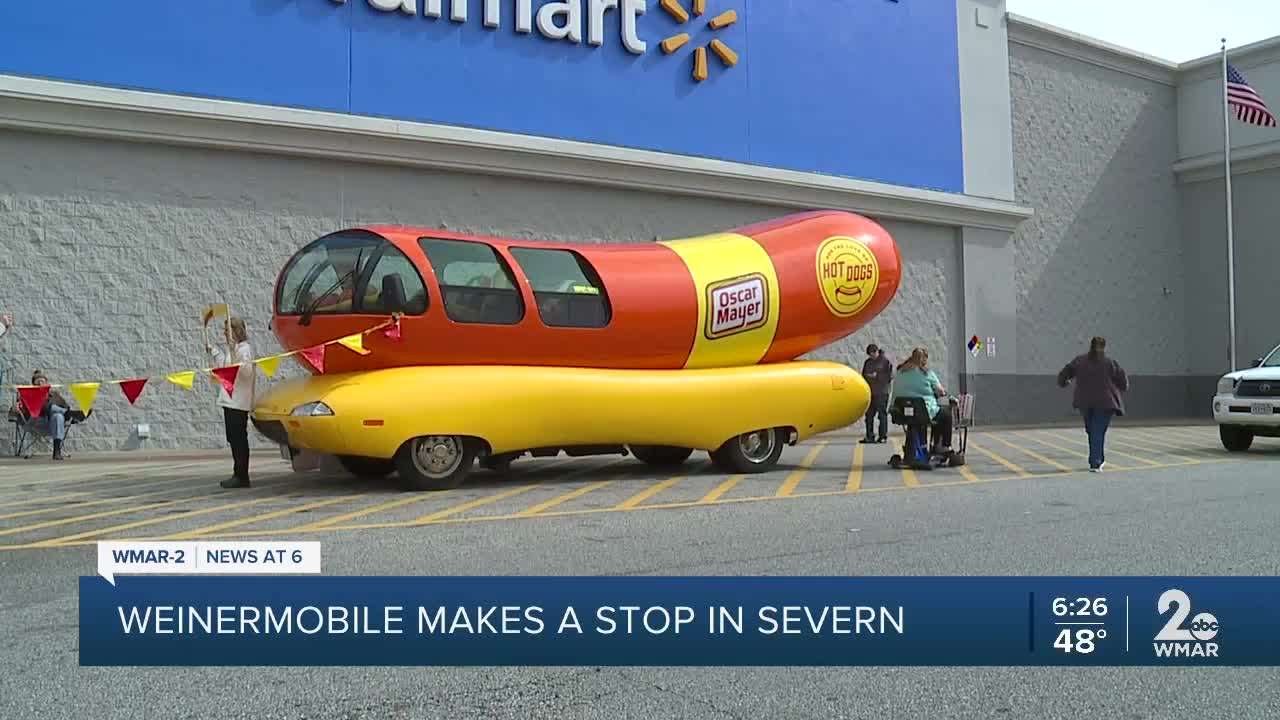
column 1100, row 385
column 878, row 372
column 236, row 405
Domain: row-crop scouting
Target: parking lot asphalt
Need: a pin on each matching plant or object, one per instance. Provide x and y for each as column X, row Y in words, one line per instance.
column 1171, row 501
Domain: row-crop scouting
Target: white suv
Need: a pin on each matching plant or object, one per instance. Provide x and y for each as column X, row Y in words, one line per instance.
column 1248, row 403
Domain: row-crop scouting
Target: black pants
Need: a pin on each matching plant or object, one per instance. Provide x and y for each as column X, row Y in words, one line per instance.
column 237, row 422
column 942, row 426
column 879, row 407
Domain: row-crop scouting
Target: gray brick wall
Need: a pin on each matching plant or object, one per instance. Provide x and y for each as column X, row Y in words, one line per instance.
column 1093, row 152
column 110, row 250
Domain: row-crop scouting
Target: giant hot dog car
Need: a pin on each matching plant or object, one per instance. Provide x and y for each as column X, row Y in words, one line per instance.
column 508, row 346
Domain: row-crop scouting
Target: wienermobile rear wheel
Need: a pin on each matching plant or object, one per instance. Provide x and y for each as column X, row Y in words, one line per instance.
column 436, row 462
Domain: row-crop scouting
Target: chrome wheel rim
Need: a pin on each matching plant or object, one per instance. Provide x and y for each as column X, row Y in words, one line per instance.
column 437, row 455
column 757, row 446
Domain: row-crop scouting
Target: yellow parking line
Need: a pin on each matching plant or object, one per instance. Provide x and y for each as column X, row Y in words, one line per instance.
column 91, row 516
column 265, row 516
column 1165, row 441
column 967, row 474
column 1110, row 449
column 854, row 483
column 389, row 505
column 657, row 506
column 648, row 492
column 1021, row 471
column 98, row 501
column 151, row 521
column 1033, row 453
column 1119, row 439
column 29, row 499
column 87, row 474
column 560, row 499
column 909, row 478
column 721, row 489
column 478, row 502
column 788, row 485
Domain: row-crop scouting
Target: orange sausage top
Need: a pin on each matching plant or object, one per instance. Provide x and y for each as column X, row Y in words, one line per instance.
column 762, row 293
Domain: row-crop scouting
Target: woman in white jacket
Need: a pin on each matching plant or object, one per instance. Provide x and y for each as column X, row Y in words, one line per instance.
column 236, row 406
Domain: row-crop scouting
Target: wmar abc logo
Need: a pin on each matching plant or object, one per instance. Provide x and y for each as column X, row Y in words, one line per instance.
column 1175, row 640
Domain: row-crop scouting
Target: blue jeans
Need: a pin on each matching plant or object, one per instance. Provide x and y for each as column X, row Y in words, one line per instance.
column 1096, row 422
column 54, row 422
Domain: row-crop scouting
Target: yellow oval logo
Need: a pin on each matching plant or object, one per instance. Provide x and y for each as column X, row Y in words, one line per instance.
column 848, row 275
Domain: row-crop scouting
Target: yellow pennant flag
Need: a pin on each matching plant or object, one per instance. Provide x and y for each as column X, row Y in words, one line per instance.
column 269, row 364
column 182, row 379
column 85, row 394
column 355, row 343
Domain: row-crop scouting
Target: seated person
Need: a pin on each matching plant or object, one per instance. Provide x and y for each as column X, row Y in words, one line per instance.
column 52, row 420
column 916, row 380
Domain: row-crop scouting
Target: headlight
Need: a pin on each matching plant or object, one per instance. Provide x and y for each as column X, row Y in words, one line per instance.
column 1226, row 385
column 312, row 409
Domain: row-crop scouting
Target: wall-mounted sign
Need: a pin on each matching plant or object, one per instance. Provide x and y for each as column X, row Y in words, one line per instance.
column 568, row 19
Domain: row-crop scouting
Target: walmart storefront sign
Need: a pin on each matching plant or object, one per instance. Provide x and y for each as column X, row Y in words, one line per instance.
column 555, row 20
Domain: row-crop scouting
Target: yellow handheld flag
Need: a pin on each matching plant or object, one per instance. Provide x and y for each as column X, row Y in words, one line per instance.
column 215, row 310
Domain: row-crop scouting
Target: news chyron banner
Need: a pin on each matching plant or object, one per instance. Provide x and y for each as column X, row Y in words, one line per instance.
column 228, row 604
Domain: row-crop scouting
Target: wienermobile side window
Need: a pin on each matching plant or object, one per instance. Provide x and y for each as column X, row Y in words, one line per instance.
column 477, row 285
column 351, row 272
column 568, row 290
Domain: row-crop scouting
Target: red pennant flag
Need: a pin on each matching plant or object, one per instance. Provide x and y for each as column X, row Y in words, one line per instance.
column 133, row 388
column 227, row 375
column 315, row 356
column 393, row 332
column 33, row 398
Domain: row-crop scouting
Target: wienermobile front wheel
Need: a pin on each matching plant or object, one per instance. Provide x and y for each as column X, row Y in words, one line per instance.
column 752, row 452
column 436, row 462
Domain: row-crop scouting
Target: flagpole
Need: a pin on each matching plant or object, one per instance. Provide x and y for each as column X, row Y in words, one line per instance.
column 1231, row 250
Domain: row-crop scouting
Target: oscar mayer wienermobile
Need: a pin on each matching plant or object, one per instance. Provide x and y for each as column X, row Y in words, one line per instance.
column 506, row 347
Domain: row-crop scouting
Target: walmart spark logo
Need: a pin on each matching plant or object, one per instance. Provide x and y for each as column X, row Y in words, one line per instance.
column 719, row 22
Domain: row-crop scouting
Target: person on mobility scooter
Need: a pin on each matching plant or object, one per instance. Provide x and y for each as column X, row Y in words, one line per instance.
column 917, row 409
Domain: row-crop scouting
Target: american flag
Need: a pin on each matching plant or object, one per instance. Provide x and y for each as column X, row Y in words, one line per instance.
column 1248, row 104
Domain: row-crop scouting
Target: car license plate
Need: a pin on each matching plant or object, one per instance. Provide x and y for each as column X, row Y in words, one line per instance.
column 1260, row 409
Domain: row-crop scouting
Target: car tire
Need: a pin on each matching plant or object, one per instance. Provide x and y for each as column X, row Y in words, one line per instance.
column 367, row 468
column 660, row 455
column 752, row 452
column 436, row 462
column 1235, row 438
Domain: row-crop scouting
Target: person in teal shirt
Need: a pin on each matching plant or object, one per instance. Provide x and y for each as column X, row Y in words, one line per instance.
column 916, row 380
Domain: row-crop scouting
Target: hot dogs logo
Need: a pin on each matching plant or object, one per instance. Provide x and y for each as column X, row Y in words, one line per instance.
column 848, row 275
column 737, row 305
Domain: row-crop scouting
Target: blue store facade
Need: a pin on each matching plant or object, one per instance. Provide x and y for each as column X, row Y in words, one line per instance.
column 165, row 155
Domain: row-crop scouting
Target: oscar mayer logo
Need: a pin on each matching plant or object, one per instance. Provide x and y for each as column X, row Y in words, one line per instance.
column 565, row 20
column 848, row 275
column 737, row 305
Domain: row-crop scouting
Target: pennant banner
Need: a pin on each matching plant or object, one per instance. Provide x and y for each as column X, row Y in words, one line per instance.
column 85, row 394
column 33, row 397
column 315, row 356
column 133, row 388
column 227, row 376
column 182, row 379
column 269, row 364
column 354, row 343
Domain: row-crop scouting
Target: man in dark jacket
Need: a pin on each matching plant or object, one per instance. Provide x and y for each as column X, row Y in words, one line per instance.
column 1099, row 395
column 878, row 372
